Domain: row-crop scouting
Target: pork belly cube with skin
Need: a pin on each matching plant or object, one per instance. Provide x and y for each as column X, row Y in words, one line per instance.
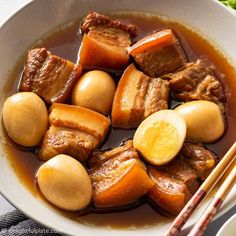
column 196, row 81
column 168, row 193
column 49, row 76
column 70, row 141
column 124, row 151
column 182, row 172
column 105, row 42
column 137, row 97
column 159, row 53
column 74, row 130
column 118, row 177
column 200, row 159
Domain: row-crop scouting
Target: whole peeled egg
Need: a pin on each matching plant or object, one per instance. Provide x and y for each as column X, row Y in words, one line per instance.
column 204, row 120
column 65, row 183
column 25, row 118
column 94, row 90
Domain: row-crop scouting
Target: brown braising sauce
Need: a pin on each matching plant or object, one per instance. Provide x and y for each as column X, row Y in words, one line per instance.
column 65, row 43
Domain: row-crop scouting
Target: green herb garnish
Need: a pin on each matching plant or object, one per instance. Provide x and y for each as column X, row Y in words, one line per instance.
column 229, row 3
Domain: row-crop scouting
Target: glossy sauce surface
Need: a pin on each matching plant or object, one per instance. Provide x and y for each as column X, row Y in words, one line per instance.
column 65, row 43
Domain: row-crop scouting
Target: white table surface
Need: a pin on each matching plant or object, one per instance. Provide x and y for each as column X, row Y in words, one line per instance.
column 7, row 9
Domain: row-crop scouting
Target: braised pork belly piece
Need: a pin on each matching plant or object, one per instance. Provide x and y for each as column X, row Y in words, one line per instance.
column 177, row 181
column 49, row 76
column 182, row 172
column 124, row 151
column 74, row 130
column 105, row 42
column 200, row 159
column 168, row 193
column 118, row 177
column 158, row 53
column 137, row 97
column 196, row 81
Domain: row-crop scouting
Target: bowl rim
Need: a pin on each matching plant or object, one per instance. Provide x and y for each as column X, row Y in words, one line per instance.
column 226, row 224
column 11, row 18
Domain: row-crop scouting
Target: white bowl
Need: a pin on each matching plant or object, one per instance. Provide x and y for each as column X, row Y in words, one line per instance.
column 210, row 18
column 228, row 228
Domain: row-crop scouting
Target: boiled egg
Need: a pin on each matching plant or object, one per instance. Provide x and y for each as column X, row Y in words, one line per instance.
column 160, row 137
column 65, row 183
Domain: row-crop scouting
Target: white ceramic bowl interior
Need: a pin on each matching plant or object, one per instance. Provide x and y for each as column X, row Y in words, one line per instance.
column 40, row 17
column 228, row 229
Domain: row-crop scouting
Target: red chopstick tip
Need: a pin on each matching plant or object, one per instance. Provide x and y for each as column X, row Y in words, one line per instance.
column 207, row 185
column 187, row 211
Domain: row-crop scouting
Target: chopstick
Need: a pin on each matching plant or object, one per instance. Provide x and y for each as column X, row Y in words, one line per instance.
column 197, row 198
column 215, row 204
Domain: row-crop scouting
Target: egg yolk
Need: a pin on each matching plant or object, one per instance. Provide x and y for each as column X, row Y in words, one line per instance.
column 161, row 140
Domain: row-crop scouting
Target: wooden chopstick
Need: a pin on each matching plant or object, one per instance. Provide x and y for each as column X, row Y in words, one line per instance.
column 197, row 198
column 215, row 204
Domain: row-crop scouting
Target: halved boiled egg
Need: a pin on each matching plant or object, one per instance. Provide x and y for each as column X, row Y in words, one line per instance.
column 160, row 137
